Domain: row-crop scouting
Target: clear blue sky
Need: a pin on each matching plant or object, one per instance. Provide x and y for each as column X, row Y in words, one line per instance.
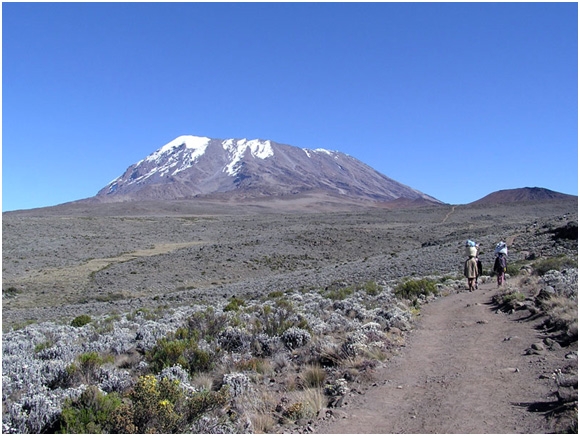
column 454, row 99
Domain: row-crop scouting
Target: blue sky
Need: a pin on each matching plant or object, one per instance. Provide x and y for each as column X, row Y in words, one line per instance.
column 454, row 99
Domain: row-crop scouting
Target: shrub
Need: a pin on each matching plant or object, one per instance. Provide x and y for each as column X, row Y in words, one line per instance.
column 91, row 360
column 179, row 350
column 206, row 401
column 294, row 411
column 86, row 370
column 274, row 321
column 372, row 289
column 43, row 346
column 10, row 292
column 92, row 412
column 152, row 406
column 158, row 407
column 169, row 352
column 207, row 324
column 554, row 263
column 295, row 337
column 81, row 320
column 414, row 288
column 513, row 297
column 339, row 294
column 513, row 269
column 234, row 304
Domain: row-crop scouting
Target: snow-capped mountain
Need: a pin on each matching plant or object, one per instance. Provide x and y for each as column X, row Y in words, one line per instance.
column 191, row 166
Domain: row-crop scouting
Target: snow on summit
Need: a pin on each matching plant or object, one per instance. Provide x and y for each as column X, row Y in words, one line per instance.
column 237, row 148
column 197, row 144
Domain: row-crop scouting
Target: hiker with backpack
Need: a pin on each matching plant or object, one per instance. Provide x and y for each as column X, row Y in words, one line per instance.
column 470, row 270
column 500, row 264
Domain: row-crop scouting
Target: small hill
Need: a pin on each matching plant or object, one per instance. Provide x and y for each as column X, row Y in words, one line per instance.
column 522, row 194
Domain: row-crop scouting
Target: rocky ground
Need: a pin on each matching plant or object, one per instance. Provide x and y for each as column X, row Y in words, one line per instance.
column 57, row 266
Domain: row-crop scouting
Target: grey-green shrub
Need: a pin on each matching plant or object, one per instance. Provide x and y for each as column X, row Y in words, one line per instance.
column 81, row 320
column 554, row 263
column 413, row 288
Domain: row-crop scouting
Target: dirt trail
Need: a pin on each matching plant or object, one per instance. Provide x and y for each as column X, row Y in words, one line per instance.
column 448, row 214
column 464, row 370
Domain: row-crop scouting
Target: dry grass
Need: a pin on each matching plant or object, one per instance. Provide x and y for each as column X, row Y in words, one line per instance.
column 563, row 315
column 313, row 376
column 307, row 403
column 259, row 406
column 203, row 381
column 262, row 422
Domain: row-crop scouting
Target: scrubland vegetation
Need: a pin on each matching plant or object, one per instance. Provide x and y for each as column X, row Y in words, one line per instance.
column 265, row 365
column 247, row 366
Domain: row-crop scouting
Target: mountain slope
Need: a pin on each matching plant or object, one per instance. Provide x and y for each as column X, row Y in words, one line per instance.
column 192, row 166
column 522, row 194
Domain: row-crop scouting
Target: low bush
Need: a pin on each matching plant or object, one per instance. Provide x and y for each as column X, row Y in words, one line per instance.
column 206, row 401
column 512, row 297
column 234, row 305
column 43, row 346
column 158, row 406
column 10, row 292
column 275, row 320
column 338, row 294
column 180, row 348
column 81, row 320
column 152, row 406
column 295, row 337
column 85, row 370
column 207, row 323
column 554, row 263
column 92, row 412
column 372, row 288
column 413, row 288
column 513, row 269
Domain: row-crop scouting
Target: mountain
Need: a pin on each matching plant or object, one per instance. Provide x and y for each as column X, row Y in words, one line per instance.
column 522, row 194
column 193, row 166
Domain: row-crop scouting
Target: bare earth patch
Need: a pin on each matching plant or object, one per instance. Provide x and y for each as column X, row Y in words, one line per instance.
column 465, row 369
column 81, row 274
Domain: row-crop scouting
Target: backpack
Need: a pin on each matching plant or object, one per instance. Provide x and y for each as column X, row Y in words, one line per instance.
column 500, row 264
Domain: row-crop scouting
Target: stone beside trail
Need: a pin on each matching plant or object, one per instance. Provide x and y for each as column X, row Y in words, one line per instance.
column 466, row 369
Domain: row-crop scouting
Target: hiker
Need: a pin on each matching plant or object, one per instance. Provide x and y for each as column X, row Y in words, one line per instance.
column 470, row 272
column 470, row 267
column 500, row 264
column 479, row 270
column 499, row 267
